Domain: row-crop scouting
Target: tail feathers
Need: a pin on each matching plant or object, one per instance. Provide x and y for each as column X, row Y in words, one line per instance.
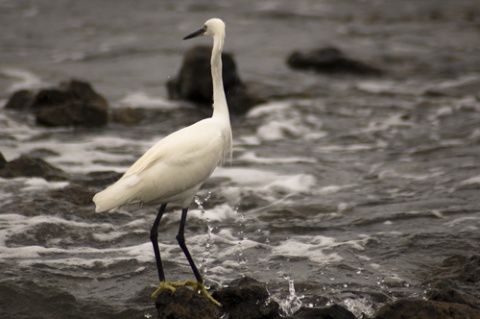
column 105, row 202
column 116, row 195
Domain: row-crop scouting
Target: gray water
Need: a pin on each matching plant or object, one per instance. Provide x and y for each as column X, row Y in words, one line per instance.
column 342, row 189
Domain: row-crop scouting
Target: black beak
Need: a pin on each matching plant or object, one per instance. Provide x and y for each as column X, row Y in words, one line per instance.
column 196, row 33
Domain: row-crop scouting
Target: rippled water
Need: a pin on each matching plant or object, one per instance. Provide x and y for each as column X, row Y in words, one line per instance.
column 341, row 189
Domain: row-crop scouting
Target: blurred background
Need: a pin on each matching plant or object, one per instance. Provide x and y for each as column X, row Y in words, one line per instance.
column 349, row 187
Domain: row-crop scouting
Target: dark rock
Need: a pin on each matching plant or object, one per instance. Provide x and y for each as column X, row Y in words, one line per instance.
column 194, row 81
column 463, row 269
column 332, row 312
column 99, row 179
column 20, row 100
column 185, row 304
column 446, row 300
column 75, row 103
column 456, row 281
column 424, row 309
column 454, row 296
column 459, row 272
column 26, row 166
column 3, row 161
column 126, row 115
column 47, row 98
column 329, row 60
column 74, row 194
column 246, row 298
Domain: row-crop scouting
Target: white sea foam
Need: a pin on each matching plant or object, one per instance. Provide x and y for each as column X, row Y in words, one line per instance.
column 254, row 158
column 218, row 213
column 471, row 181
column 300, row 183
column 22, row 79
column 266, row 181
column 143, row 100
column 470, row 220
column 18, row 224
column 453, row 83
column 37, row 183
column 246, row 176
column 277, row 130
column 386, row 174
column 251, row 140
column 267, row 109
column 53, row 253
column 108, row 236
column 330, row 189
column 284, row 120
column 347, row 148
column 309, row 247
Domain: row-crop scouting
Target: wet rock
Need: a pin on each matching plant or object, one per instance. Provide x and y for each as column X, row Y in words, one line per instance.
column 453, row 288
column 74, row 194
column 20, row 100
column 460, row 272
column 126, row 115
column 194, row 82
column 329, row 60
column 456, row 281
column 424, row 309
column 454, row 296
column 332, row 312
column 185, row 304
column 244, row 298
column 26, row 166
column 247, row 298
column 3, row 161
column 74, row 103
column 98, row 179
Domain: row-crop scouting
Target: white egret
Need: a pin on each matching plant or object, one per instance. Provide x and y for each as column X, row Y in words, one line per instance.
column 172, row 171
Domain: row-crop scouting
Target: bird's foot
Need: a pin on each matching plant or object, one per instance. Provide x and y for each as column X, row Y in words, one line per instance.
column 198, row 286
column 166, row 285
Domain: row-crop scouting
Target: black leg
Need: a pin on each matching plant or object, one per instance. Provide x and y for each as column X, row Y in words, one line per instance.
column 181, row 242
column 154, row 239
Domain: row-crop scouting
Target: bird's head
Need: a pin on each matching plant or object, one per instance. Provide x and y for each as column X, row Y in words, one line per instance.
column 212, row 28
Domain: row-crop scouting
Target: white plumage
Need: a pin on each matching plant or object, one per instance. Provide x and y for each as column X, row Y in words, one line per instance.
column 172, row 171
column 175, row 168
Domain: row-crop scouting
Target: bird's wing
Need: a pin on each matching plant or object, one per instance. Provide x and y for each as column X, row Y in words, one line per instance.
column 172, row 170
column 193, row 143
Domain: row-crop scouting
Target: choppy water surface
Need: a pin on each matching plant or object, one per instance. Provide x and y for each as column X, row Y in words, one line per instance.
column 346, row 189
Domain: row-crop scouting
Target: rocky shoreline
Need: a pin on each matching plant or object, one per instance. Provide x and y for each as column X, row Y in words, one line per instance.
column 452, row 290
column 247, row 298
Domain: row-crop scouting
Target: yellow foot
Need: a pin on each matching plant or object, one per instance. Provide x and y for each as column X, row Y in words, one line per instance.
column 166, row 285
column 198, row 286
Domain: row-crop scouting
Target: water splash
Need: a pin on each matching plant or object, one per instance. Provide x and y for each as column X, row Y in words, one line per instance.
column 210, row 241
column 360, row 307
column 241, row 258
column 291, row 302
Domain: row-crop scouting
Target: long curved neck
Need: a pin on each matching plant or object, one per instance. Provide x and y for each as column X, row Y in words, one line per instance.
column 220, row 107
